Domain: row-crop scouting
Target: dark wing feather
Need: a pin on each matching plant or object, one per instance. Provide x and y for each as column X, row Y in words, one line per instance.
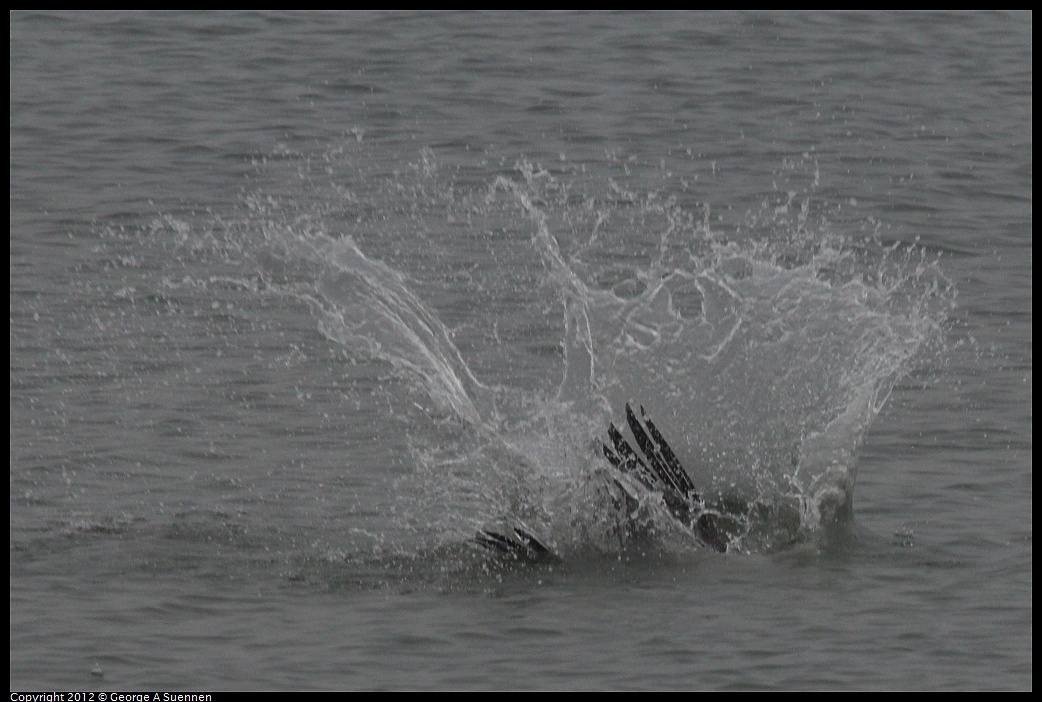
column 626, row 459
column 525, row 546
column 672, row 463
column 658, row 462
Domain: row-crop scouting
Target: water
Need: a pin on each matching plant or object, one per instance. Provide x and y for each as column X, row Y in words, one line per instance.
column 299, row 302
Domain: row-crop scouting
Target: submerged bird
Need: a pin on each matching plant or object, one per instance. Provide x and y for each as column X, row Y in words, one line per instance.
column 655, row 468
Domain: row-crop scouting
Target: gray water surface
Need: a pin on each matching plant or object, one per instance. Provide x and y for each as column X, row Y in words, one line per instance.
column 232, row 468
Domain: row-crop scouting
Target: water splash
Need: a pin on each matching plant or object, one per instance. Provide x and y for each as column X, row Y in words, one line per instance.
column 763, row 350
column 368, row 308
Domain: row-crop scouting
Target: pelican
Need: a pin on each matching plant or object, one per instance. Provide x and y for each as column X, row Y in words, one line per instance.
column 655, row 468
